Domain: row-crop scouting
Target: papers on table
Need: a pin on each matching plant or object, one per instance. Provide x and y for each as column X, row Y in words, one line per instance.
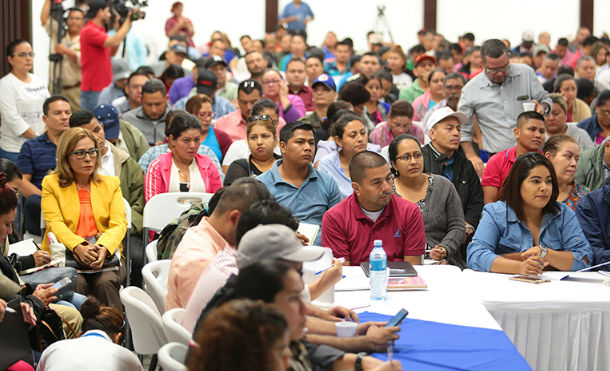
column 355, row 279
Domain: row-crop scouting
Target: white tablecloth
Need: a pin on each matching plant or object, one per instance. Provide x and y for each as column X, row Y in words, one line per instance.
column 560, row 325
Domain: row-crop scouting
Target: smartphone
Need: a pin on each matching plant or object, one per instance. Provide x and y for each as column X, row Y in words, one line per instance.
column 61, row 283
column 397, row 319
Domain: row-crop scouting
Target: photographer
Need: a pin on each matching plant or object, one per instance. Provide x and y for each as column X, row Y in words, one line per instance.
column 96, row 48
column 68, row 48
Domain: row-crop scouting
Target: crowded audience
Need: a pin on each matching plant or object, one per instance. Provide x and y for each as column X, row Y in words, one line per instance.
column 477, row 155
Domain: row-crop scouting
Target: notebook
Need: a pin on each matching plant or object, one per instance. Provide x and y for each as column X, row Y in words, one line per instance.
column 397, row 269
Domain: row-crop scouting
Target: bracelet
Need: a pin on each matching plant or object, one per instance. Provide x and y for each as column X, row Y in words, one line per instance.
column 358, row 363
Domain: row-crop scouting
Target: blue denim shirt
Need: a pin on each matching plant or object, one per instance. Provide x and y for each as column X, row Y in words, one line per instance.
column 500, row 232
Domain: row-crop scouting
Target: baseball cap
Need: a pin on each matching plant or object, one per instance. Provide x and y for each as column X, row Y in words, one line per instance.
column 441, row 114
column 541, row 48
column 206, row 82
column 214, row 60
column 179, row 48
column 108, row 116
column 274, row 241
column 527, row 36
column 375, row 38
column 424, row 57
column 120, row 69
column 325, row 79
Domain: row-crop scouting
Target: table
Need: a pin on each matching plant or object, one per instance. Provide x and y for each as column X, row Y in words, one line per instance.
column 560, row 325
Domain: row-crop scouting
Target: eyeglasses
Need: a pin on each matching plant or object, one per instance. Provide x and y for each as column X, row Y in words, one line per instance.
column 603, row 112
column 81, row 154
column 264, row 117
column 407, row 156
column 204, row 115
column 493, row 71
column 24, row 54
column 271, row 82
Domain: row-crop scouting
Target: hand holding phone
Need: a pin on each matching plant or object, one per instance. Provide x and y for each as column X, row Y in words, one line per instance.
column 62, row 283
column 397, row 319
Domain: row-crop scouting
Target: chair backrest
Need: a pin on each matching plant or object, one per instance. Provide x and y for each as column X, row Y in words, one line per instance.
column 172, row 324
column 144, row 320
column 172, row 356
column 155, row 281
column 127, row 213
column 151, row 251
column 165, row 207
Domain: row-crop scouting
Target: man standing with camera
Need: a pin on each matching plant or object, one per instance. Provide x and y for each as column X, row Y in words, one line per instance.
column 96, row 48
column 69, row 49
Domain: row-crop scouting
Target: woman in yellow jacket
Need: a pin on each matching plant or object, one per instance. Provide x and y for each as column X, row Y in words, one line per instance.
column 86, row 213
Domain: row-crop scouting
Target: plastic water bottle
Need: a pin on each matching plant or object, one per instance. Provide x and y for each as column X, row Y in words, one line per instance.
column 378, row 264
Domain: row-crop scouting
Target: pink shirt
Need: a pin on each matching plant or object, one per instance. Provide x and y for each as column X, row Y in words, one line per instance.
column 350, row 233
column 197, row 249
column 235, row 125
column 383, row 136
column 210, row 281
column 498, row 167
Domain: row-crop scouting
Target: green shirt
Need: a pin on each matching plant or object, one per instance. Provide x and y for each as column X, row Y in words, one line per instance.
column 411, row 92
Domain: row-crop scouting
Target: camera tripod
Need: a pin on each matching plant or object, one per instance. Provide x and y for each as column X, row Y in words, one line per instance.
column 57, row 17
column 382, row 22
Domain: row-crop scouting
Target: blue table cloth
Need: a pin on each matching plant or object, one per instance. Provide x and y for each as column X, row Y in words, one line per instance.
column 426, row 345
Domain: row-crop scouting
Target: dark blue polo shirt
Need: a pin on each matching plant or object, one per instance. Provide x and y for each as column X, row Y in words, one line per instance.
column 37, row 157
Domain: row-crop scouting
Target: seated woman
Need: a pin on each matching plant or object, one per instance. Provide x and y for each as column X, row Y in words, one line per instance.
column 577, row 110
column 323, row 133
column 98, row 348
column 436, row 197
column 564, row 152
column 528, row 230
column 86, row 213
column 350, row 135
column 261, row 140
column 182, row 169
column 280, row 283
column 555, row 123
column 226, row 330
column 375, row 111
column 275, row 88
column 219, row 141
column 432, row 95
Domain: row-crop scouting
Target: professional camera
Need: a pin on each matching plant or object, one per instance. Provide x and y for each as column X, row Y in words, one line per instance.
column 122, row 9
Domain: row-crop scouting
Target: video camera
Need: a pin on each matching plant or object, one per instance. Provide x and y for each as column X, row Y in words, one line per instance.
column 122, row 9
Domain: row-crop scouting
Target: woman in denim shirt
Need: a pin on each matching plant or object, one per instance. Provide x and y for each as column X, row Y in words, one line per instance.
column 528, row 230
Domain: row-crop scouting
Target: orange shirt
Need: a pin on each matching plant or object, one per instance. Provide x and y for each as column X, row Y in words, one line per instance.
column 86, row 222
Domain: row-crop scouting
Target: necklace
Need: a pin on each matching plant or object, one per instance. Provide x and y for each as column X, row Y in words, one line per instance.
column 81, row 187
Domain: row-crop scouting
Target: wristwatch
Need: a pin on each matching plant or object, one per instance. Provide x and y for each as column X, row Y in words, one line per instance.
column 358, row 363
column 543, row 251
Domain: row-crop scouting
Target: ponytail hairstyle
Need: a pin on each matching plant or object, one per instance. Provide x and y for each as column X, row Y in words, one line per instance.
column 98, row 317
column 8, row 196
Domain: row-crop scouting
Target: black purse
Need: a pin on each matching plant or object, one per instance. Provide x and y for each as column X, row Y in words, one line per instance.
column 109, row 262
column 53, row 275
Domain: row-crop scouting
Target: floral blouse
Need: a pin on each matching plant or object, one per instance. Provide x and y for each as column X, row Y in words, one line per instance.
column 578, row 192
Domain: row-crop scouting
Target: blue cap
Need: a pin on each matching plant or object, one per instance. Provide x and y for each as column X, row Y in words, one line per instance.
column 326, row 80
column 108, row 116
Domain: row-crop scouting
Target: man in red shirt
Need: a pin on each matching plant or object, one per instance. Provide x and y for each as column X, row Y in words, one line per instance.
column 371, row 213
column 530, row 134
column 295, row 76
column 96, row 49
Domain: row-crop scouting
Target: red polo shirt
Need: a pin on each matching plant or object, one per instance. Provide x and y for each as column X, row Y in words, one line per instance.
column 350, row 233
column 498, row 167
column 95, row 58
column 306, row 94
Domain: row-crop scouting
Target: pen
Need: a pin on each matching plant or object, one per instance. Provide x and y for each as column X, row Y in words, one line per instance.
column 390, row 350
column 35, row 244
column 324, row 270
column 10, row 310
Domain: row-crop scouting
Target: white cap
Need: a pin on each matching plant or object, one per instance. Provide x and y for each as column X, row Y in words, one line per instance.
column 441, row 114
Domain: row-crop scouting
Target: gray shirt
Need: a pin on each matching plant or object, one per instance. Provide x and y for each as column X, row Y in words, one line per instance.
column 153, row 130
column 497, row 106
column 583, row 138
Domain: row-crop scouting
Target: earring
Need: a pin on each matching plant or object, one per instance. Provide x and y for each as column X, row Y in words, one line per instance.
column 394, row 172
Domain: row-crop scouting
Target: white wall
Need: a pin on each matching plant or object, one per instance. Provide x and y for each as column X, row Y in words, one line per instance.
column 354, row 18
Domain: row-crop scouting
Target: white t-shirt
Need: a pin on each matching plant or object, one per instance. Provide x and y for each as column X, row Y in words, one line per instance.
column 92, row 351
column 20, row 110
column 402, row 80
column 195, row 184
column 107, row 167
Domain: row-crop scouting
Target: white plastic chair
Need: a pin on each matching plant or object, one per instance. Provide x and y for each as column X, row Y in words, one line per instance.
column 165, row 207
column 155, row 281
column 144, row 320
column 127, row 244
column 151, row 251
column 172, row 356
column 172, row 324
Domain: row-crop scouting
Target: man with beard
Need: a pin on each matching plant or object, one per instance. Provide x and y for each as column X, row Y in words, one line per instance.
column 256, row 64
column 373, row 212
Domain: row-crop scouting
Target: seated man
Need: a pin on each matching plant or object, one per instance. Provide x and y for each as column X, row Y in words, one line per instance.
column 594, row 166
column 444, row 156
column 598, row 125
column 293, row 181
column 150, row 117
column 324, row 93
column 120, row 73
column 372, row 212
column 400, row 121
column 37, row 157
column 248, row 93
column 530, row 138
column 295, row 77
column 121, row 133
column 117, row 162
column 593, row 213
column 206, row 83
column 201, row 243
column 133, row 92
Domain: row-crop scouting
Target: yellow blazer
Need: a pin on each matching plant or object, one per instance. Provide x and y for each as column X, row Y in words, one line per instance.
column 61, row 211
